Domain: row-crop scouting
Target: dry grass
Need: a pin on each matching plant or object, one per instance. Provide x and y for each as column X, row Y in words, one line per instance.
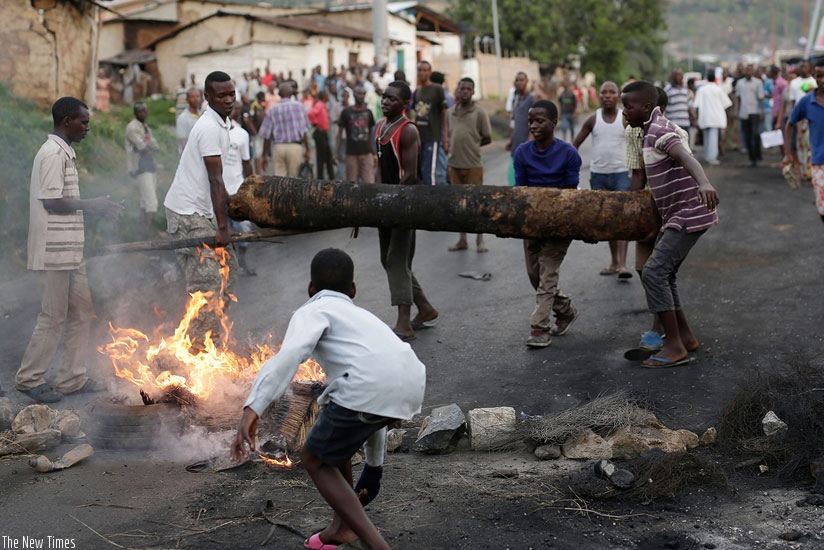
column 605, row 412
column 795, row 392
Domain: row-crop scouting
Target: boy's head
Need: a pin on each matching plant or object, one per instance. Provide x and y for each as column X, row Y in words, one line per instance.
column 663, row 99
column 332, row 269
column 542, row 118
column 639, row 98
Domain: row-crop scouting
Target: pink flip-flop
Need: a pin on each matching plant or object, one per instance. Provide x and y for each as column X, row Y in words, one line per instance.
column 314, row 543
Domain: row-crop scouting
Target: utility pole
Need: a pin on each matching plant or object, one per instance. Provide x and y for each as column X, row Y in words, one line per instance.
column 497, row 33
column 812, row 36
column 380, row 31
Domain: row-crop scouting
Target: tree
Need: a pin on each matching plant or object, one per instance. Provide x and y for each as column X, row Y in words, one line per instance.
column 615, row 36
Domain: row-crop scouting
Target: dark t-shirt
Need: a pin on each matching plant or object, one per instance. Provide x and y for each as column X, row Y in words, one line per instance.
column 568, row 102
column 358, row 126
column 520, row 116
column 429, row 104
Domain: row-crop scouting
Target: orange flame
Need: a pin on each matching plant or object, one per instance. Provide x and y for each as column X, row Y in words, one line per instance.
column 285, row 463
column 162, row 361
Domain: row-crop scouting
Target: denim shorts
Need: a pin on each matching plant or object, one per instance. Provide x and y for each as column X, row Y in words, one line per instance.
column 339, row 432
column 618, row 181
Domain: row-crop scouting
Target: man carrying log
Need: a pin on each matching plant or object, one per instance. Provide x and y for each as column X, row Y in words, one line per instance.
column 197, row 202
column 686, row 202
column 398, row 148
column 547, row 162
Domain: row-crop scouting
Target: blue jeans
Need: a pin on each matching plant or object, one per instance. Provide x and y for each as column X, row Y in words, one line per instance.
column 568, row 123
column 618, row 181
column 433, row 164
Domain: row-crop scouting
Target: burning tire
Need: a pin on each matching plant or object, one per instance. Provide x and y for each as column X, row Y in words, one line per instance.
column 128, row 427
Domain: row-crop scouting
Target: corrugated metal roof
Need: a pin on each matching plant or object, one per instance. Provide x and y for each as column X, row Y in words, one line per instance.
column 128, row 57
column 319, row 25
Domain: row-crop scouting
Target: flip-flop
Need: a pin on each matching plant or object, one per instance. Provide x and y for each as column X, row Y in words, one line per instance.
column 418, row 325
column 314, row 543
column 477, row 275
column 609, row 271
column 404, row 337
column 624, row 275
column 664, row 363
column 639, row 354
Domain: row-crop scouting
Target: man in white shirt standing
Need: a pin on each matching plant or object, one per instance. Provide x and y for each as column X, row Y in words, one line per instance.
column 608, row 170
column 712, row 103
column 237, row 166
column 197, row 202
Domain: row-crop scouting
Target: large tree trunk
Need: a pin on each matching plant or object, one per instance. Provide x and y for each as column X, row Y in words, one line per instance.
column 523, row 212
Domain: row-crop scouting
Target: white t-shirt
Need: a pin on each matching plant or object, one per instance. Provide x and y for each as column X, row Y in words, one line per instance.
column 368, row 369
column 796, row 92
column 712, row 102
column 190, row 191
column 609, row 145
column 233, row 161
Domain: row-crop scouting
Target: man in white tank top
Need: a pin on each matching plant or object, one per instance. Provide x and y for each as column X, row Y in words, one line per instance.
column 608, row 169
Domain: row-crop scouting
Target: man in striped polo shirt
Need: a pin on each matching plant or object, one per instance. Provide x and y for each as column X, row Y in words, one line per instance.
column 679, row 101
column 686, row 202
column 55, row 252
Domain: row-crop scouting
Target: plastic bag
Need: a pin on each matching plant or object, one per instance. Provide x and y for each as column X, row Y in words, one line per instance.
column 305, row 171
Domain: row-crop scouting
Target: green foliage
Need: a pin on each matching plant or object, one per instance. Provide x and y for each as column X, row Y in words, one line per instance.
column 601, row 31
column 101, row 161
column 735, row 26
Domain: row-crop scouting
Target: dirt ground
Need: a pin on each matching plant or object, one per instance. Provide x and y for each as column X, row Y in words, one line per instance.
column 755, row 300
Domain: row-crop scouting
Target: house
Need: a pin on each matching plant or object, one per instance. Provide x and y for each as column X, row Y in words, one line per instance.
column 237, row 42
column 46, row 49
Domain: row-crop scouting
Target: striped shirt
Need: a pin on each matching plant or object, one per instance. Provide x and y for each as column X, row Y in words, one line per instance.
column 286, row 122
column 674, row 190
column 55, row 239
column 678, row 104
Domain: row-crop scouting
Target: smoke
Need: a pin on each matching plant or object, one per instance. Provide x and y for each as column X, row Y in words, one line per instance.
column 193, row 444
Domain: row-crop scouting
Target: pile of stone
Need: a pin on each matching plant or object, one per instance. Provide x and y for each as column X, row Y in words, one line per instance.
column 488, row 429
column 35, row 428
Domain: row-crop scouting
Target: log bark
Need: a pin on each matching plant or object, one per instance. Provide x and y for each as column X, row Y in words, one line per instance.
column 522, row 212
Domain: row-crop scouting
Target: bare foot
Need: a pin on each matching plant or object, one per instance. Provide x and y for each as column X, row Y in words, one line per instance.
column 337, row 535
column 425, row 315
column 482, row 249
column 459, row 246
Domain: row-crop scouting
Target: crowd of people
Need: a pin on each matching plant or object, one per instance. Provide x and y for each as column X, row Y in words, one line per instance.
column 372, row 128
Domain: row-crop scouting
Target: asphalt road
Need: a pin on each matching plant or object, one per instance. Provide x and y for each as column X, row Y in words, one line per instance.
column 751, row 288
column 751, row 291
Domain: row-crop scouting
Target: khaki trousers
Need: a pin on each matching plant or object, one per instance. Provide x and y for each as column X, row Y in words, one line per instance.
column 67, row 303
column 360, row 168
column 288, row 157
column 543, row 261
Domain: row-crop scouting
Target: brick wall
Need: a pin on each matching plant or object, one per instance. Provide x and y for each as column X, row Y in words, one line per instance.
column 46, row 48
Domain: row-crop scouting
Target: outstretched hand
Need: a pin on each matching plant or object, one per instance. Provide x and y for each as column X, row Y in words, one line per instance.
column 104, row 206
column 244, row 441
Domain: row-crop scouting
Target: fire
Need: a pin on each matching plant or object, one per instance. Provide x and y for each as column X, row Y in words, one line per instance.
column 284, row 463
column 165, row 360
